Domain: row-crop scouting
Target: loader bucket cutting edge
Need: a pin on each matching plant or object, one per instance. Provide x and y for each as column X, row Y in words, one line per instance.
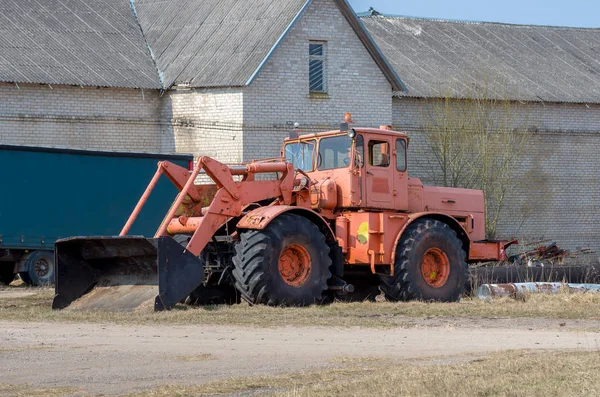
column 123, row 273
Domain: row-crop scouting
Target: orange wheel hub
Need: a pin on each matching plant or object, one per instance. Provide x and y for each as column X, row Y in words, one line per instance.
column 295, row 265
column 435, row 267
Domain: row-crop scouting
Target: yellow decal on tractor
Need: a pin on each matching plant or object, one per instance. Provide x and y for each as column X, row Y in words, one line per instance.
column 363, row 233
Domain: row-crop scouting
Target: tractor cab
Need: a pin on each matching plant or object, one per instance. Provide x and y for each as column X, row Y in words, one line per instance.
column 352, row 167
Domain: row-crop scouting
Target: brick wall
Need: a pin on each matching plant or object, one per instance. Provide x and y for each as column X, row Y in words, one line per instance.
column 556, row 189
column 551, row 117
column 280, row 93
column 82, row 118
column 206, row 122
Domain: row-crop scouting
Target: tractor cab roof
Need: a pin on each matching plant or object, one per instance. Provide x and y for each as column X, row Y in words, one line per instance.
column 379, row 131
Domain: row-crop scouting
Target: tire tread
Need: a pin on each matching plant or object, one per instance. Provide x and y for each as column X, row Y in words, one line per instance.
column 401, row 287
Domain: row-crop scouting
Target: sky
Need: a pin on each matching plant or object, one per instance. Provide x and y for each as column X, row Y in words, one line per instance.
column 580, row 13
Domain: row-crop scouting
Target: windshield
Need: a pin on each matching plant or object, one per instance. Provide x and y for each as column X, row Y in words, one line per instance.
column 334, row 152
column 301, row 154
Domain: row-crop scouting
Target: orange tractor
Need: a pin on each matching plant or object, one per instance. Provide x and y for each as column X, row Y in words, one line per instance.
column 343, row 204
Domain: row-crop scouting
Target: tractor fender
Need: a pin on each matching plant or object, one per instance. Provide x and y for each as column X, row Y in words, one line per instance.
column 259, row 218
column 450, row 221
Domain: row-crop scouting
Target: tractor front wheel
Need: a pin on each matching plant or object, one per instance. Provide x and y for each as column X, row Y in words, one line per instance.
column 429, row 264
column 286, row 263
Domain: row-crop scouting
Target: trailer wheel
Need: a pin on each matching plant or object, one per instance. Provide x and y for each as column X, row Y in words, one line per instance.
column 286, row 263
column 39, row 267
column 430, row 265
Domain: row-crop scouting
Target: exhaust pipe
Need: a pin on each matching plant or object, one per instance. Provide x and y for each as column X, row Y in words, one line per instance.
column 123, row 273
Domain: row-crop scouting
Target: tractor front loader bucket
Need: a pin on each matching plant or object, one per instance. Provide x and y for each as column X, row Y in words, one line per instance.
column 123, row 273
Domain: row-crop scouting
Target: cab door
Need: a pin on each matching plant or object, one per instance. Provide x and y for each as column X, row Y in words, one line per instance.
column 379, row 173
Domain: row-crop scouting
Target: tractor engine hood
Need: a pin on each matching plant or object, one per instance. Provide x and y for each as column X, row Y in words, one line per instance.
column 449, row 200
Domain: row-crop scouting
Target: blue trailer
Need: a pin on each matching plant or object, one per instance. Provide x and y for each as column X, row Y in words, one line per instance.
column 50, row 194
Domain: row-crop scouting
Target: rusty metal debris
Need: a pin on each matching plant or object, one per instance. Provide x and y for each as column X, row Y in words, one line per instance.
column 517, row 290
column 545, row 252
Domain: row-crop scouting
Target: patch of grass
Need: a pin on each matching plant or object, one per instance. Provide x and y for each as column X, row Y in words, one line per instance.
column 196, row 358
column 7, row 390
column 518, row 373
column 358, row 360
column 42, row 347
column 260, row 385
column 564, row 306
column 510, row 373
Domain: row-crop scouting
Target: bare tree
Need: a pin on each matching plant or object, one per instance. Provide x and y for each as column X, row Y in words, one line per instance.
column 475, row 142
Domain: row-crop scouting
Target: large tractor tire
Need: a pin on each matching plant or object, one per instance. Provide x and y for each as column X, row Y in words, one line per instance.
column 39, row 268
column 286, row 263
column 429, row 265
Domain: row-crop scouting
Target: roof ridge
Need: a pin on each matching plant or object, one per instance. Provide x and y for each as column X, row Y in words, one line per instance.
column 160, row 73
column 372, row 13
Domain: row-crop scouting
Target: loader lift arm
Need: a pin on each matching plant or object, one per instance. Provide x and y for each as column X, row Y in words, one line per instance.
column 229, row 201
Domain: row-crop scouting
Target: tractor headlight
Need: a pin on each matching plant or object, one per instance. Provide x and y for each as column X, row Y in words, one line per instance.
column 352, row 133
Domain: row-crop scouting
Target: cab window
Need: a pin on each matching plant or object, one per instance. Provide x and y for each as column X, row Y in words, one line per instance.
column 379, row 153
column 334, row 152
column 360, row 151
column 401, row 155
column 301, row 154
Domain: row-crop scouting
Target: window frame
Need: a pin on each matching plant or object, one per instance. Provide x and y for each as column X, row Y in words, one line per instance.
column 323, row 59
column 404, row 150
column 320, row 156
column 359, row 158
column 314, row 155
column 370, row 146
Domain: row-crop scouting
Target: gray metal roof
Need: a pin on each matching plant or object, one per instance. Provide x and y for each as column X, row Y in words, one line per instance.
column 213, row 43
column 151, row 43
column 519, row 62
column 75, row 42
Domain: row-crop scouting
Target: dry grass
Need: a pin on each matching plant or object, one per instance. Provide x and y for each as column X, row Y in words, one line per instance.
column 522, row 373
column 196, row 358
column 42, row 347
column 28, row 391
column 563, row 306
column 512, row 373
column 260, row 385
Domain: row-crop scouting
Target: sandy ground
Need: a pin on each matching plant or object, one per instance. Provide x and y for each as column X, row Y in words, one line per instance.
column 111, row 359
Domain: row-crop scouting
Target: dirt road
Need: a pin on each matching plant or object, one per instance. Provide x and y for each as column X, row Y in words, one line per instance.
column 112, row 359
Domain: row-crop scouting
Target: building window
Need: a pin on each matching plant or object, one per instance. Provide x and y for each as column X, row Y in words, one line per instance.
column 316, row 64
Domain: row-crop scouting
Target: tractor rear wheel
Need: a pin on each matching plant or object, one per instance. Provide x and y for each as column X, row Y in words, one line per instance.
column 429, row 265
column 286, row 263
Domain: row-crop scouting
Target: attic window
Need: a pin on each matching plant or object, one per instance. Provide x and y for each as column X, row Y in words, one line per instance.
column 316, row 67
